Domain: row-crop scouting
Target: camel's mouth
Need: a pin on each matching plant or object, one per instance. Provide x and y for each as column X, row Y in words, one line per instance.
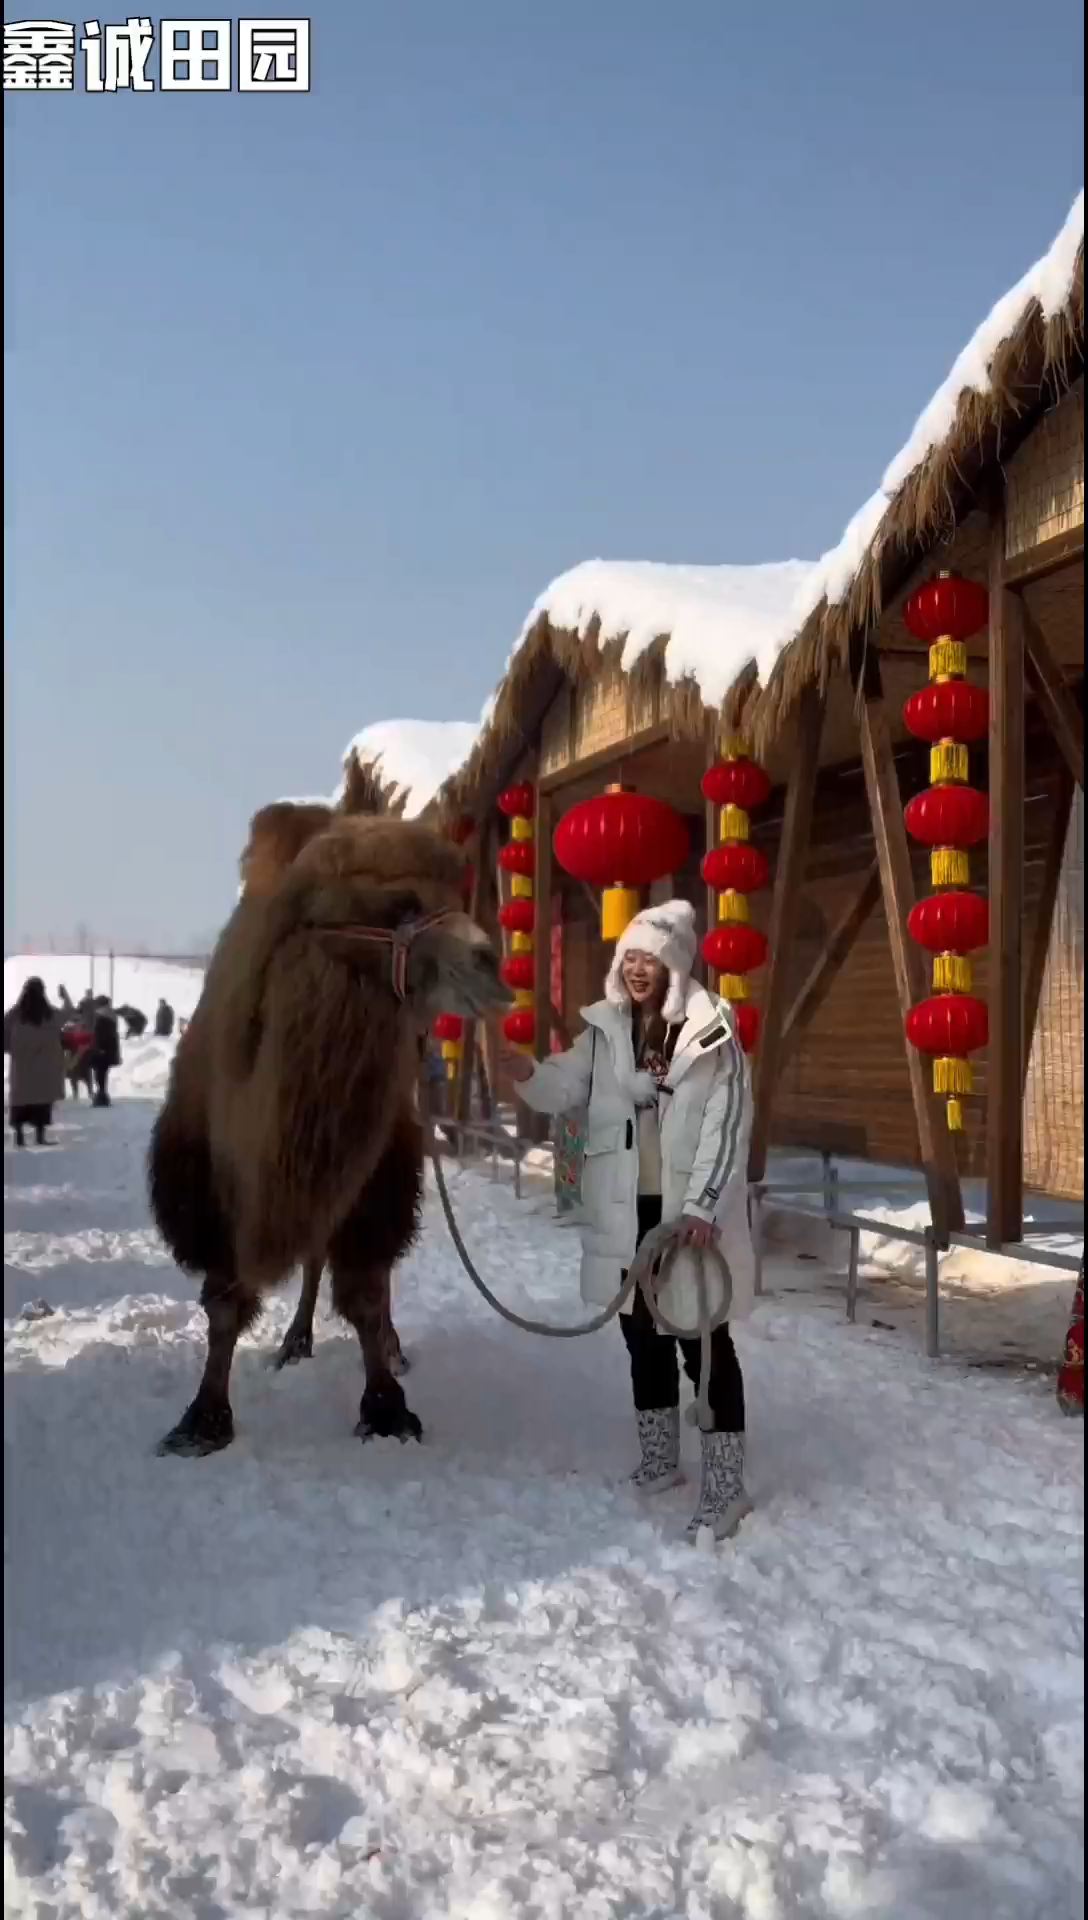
column 453, row 968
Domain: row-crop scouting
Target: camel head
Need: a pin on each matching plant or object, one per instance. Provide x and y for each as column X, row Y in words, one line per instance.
column 365, row 873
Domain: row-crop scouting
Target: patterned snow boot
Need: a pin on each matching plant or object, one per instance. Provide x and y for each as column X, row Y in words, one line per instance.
column 659, row 1438
column 723, row 1503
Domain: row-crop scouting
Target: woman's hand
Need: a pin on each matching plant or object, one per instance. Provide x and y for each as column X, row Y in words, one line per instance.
column 697, row 1233
column 518, row 1066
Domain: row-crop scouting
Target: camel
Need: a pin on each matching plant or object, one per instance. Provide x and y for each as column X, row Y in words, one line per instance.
column 288, row 1134
column 276, row 834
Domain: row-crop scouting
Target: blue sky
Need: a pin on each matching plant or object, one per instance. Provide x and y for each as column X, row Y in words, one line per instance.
column 310, row 396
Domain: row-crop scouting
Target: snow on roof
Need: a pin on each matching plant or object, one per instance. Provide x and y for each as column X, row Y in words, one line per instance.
column 1050, row 283
column 718, row 619
column 416, row 756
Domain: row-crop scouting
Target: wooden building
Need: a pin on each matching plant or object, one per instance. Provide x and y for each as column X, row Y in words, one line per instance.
column 992, row 488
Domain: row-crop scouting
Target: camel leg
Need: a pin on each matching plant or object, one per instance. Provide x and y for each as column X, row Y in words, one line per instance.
column 361, row 1296
column 207, row 1424
column 298, row 1341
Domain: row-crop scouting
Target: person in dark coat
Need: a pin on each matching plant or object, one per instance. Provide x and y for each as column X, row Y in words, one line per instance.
column 105, row 1048
column 164, row 1020
column 32, row 1038
column 135, row 1022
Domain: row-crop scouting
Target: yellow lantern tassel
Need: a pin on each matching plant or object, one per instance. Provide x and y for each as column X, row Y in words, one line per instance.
column 733, row 824
column 948, row 760
column 619, row 906
column 952, row 1075
column 734, row 747
column 734, row 986
column 733, row 906
column 952, row 973
column 949, row 867
column 524, row 997
column 947, row 659
column 521, row 828
column 954, row 1112
column 521, row 887
column 521, row 943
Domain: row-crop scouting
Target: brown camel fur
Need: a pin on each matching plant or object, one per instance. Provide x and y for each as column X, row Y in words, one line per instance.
column 288, row 1131
column 276, row 834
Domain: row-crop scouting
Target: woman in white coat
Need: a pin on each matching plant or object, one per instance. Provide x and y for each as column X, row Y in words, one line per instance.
column 666, row 1086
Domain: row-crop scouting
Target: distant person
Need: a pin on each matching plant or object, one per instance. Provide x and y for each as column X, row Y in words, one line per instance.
column 164, row 1020
column 32, row 1038
column 135, row 1022
column 77, row 1042
column 105, row 1048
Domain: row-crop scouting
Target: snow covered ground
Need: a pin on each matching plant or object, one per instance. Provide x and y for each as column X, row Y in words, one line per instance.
column 475, row 1680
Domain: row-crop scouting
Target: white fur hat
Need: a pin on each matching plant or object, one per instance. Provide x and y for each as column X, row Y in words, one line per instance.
column 668, row 932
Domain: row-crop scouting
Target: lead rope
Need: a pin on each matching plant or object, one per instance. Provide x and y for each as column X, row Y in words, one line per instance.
column 649, row 1271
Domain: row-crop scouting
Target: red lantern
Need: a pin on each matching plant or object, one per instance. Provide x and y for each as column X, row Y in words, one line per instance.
column 746, row 1024
column 517, row 800
column 948, row 710
column 517, row 916
column 735, row 948
column 517, row 971
column 946, row 608
column 948, row 1024
column 620, row 837
column 520, row 1028
column 953, row 922
column 518, row 857
column 736, row 783
column 449, row 1026
column 948, row 817
column 738, row 867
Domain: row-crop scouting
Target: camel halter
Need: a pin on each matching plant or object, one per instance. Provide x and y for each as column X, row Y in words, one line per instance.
column 397, row 939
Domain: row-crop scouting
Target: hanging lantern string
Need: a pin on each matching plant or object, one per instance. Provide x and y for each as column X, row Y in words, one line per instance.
column 949, row 818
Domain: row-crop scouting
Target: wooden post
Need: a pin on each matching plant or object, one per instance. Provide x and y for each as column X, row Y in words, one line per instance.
column 542, row 901
column 710, row 838
column 1063, row 714
column 897, row 886
column 1048, row 900
column 488, row 895
column 788, row 879
column 1005, row 1084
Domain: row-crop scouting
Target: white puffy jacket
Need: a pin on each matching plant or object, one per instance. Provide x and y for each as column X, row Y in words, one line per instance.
column 705, row 1117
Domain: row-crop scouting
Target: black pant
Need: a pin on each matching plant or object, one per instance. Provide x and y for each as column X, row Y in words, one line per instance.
column 101, row 1075
column 655, row 1374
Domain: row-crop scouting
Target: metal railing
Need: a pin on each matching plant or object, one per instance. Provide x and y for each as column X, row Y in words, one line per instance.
column 784, row 1199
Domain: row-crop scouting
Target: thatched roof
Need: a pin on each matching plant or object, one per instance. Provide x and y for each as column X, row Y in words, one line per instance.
column 1026, row 351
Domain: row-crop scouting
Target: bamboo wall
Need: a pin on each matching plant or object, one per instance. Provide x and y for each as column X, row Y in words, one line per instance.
column 1054, row 1098
column 1045, row 479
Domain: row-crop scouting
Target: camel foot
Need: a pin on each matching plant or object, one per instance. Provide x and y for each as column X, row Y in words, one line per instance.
column 298, row 1344
column 384, row 1414
column 201, row 1430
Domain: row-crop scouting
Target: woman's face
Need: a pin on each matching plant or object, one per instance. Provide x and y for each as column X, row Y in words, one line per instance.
column 644, row 977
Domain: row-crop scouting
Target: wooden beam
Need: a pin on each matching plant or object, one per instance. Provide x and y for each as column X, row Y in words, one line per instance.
column 844, row 933
column 785, row 910
column 542, row 900
column 1056, row 699
column 1005, row 1082
column 897, row 886
column 605, row 759
column 1039, row 562
column 1048, row 899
